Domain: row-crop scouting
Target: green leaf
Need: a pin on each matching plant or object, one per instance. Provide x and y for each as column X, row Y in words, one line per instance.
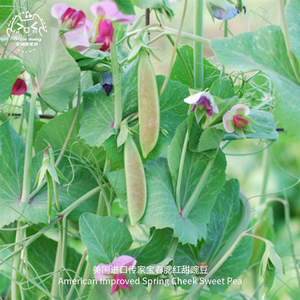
column 104, row 237
column 61, row 125
column 265, row 128
column 56, row 73
column 224, row 220
column 98, row 117
column 6, row 9
column 12, row 150
column 126, row 7
column 264, row 49
column 291, row 12
column 161, row 210
column 218, row 3
column 184, row 72
column 10, row 69
column 222, row 88
column 211, row 138
column 155, row 250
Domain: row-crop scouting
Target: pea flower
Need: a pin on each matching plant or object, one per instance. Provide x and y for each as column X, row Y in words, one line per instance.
column 70, row 18
column 19, row 87
column 108, row 12
column 116, row 269
column 236, row 118
column 222, row 14
column 203, row 100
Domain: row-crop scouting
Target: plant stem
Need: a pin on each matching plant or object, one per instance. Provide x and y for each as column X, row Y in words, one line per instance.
column 292, row 58
column 194, row 197
column 266, row 171
column 198, row 47
column 225, row 28
column 77, row 274
column 86, row 275
column 16, row 264
column 79, row 201
column 286, row 207
column 28, row 150
column 174, row 50
column 115, row 68
column 180, row 171
column 71, row 127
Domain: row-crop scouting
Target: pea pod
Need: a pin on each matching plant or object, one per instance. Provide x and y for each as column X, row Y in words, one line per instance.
column 135, row 181
column 148, row 101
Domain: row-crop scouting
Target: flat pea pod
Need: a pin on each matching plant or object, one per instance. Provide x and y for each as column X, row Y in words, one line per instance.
column 135, row 181
column 148, row 102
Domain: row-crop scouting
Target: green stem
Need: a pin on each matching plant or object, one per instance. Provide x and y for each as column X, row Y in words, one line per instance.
column 291, row 55
column 86, row 275
column 115, row 68
column 15, row 265
column 266, row 171
column 180, row 171
column 174, row 49
column 286, row 207
column 182, row 61
column 194, row 197
column 77, row 274
column 198, row 47
column 225, row 28
column 79, row 201
column 28, row 150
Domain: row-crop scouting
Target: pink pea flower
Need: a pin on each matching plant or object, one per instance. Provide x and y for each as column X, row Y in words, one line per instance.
column 70, row 18
column 116, row 269
column 78, row 39
column 203, row 100
column 235, row 118
column 19, row 87
column 108, row 12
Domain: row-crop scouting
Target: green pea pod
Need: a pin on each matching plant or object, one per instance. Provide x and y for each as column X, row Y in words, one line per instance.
column 135, row 181
column 148, row 99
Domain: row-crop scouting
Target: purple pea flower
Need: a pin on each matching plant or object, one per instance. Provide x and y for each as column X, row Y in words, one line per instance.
column 222, row 14
column 116, row 269
column 70, row 18
column 203, row 100
column 19, row 87
column 107, row 12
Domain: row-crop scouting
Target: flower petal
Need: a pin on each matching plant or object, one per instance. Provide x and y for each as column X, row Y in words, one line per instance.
column 105, row 32
column 240, row 109
column 124, row 261
column 222, row 14
column 122, row 281
column 193, row 98
column 19, row 87
column 103, row 271
column 58, row 9
column 213, row 104
column 75, row 41
column 109, row 10
column 228, row 122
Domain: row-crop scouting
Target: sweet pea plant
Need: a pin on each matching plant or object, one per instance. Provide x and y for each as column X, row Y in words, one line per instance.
column 113, row 180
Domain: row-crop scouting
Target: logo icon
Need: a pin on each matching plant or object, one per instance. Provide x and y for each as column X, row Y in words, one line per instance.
column 26, row 24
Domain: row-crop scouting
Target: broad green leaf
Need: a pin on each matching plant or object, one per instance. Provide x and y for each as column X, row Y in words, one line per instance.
column 104, row 237
column 161, row 210
column 6, row 8
column 126, row 7
column 56, row 73
column 222, row 88
column 292, row 11
column 98, row 116
column 265, row 129
column 211, row 138
column 184, row 72
column 264, row 49
column 10, row 69
column 12, row 150
column 42, row 253
column 225, row 219
column 155, row 250
column 61, row 125
column 80, row 182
